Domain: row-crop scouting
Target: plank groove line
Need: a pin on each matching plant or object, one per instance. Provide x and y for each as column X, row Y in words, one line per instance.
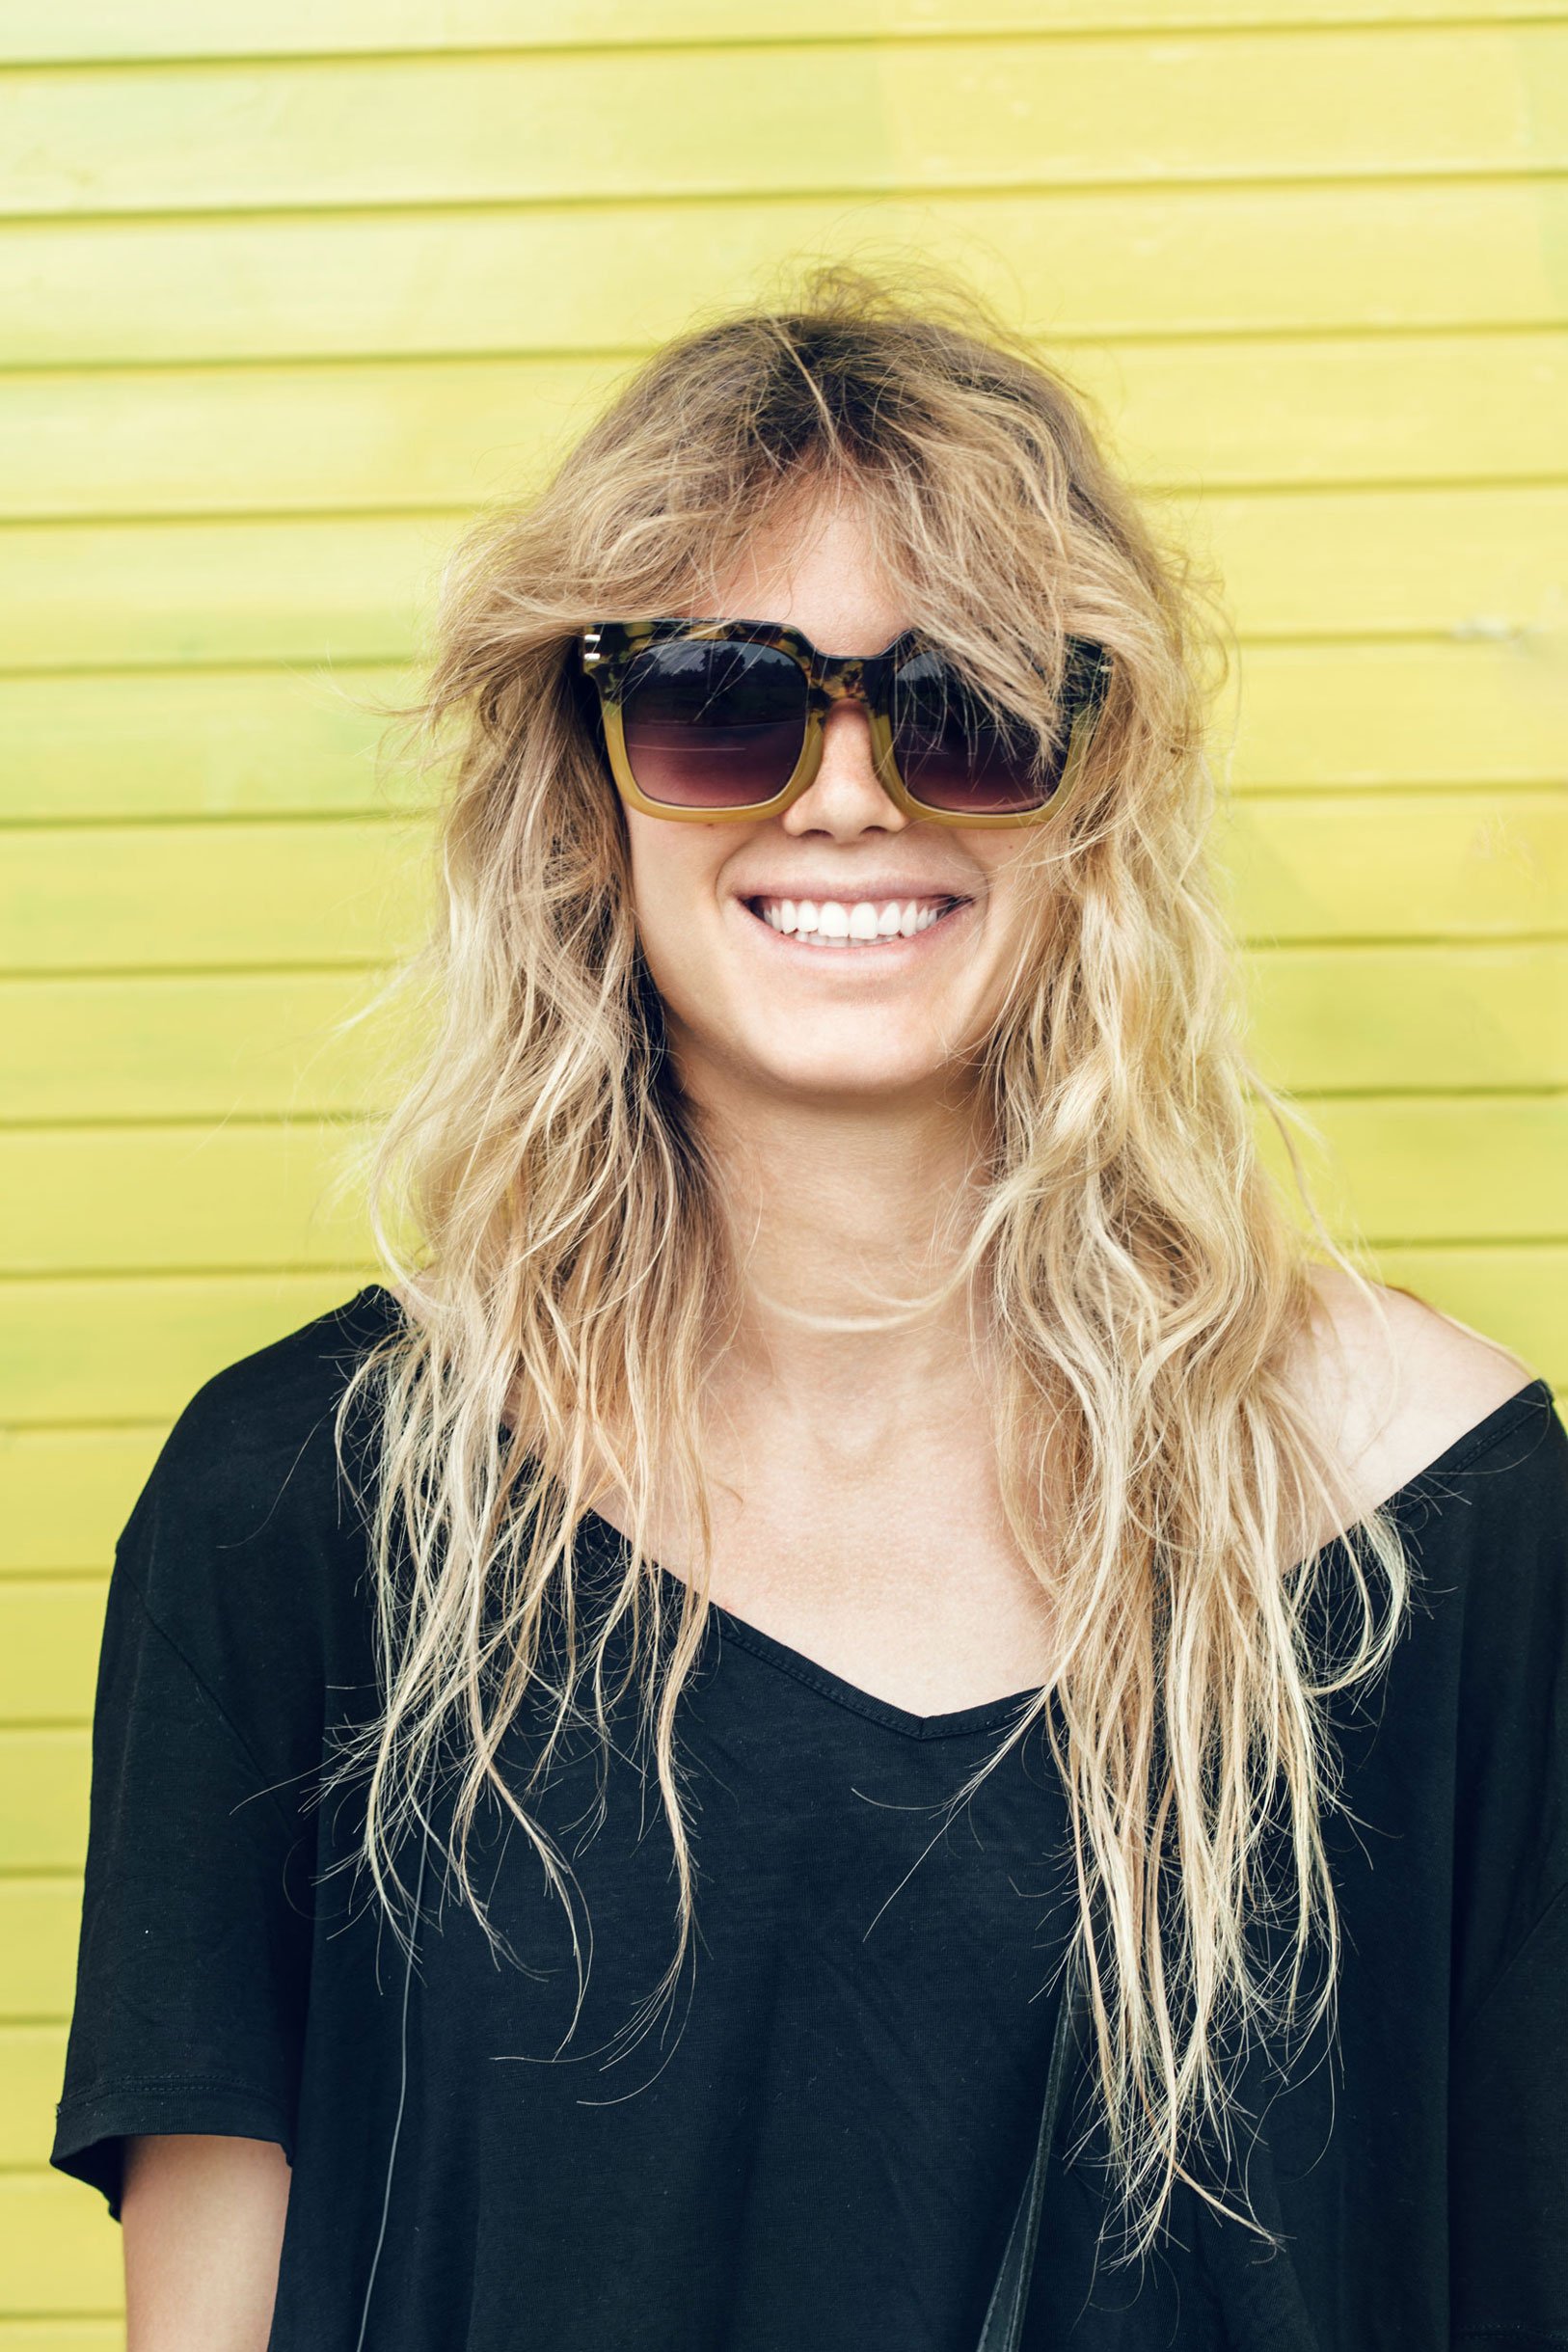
column 89, row 32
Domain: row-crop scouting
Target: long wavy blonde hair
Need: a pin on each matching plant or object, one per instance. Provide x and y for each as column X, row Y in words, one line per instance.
column 547, row 1212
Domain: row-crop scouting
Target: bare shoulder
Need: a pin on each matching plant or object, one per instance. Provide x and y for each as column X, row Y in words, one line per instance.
column 1395, row 1382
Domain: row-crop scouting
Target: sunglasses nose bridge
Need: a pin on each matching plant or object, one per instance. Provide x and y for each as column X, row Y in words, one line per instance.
column 845, row 681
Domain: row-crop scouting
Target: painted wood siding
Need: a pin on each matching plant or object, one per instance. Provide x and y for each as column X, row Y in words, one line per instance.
column 285, row 289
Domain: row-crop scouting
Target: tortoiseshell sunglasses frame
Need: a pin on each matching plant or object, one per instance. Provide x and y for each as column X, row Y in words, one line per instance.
column 608, row 649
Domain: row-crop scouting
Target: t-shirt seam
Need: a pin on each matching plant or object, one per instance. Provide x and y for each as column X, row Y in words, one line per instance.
column 884, row 1715
column 1506, row 1966
column 723, row 1626
column 1506, row 2334
column 120, row 2086
column 290, row 1827
column 1537, row 1397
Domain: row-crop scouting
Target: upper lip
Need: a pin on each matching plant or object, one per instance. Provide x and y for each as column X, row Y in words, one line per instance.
column 877, row 889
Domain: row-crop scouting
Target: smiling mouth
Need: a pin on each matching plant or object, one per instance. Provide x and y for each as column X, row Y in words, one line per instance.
column 853, row 923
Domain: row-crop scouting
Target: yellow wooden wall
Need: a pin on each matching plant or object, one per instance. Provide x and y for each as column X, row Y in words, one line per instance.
column 287, row 286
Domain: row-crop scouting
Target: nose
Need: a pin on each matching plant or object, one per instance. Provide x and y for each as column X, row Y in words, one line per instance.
column 845, row 797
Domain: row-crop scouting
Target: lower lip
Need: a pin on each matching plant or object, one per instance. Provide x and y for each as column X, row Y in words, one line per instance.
column 892, row 950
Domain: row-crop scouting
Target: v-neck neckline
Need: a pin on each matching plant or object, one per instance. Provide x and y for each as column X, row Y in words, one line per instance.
column 991, row 1714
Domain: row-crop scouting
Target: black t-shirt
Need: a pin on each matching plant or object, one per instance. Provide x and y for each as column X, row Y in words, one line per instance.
column 820, row 2141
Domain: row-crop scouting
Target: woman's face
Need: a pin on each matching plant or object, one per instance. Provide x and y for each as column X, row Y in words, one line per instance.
column 751, row 1003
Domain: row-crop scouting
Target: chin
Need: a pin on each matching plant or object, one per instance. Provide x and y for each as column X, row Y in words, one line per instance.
column 850, row 1078
column 879, row 1054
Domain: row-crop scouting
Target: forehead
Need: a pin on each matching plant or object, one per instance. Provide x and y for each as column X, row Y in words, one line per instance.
column 812, row 566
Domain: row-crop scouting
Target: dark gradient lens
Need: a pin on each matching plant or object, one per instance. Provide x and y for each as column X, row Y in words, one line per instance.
column 960, row 754
column 712, row 725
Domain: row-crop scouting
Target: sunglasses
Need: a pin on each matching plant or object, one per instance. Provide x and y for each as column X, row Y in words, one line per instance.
column 717, row 719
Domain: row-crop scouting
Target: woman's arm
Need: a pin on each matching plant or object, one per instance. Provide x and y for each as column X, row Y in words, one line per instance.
column 203, row 2219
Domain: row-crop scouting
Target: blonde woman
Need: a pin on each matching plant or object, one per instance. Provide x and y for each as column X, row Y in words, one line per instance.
column 865, row 1705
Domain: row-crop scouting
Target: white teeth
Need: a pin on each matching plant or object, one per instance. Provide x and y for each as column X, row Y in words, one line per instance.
column 836, row 923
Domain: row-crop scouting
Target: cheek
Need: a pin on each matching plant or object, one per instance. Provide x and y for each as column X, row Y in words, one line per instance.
column 674, row 900
column 1022, row 912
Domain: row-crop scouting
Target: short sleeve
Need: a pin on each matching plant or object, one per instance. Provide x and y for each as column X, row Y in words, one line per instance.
column 196, row 1920
column 1509, row 2081
column 1508, row 2120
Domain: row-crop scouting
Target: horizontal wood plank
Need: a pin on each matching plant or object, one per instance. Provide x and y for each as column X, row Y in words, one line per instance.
column 64, row 2335
column 39, row 1923
column 335, row 436
column 194, row 743
column 107, row 898
column 64, row 1494
column 140, row 1199
column 45, row 1779
column 1363, row 1020
column 1385, row 562
column 101, row 30
column 1368, row 1019
column 1346, row 409
column 1472, row 710
column 59, row 2252
column 1518, row 1297
column 449, row 432
column 1401, row 865
column 180, row 743
column 49, row 1630
column 254, row 1197
column 138, row 1350
column 32, row 2068
column 1424, row 1169
column 1373, row 255
column 863, row 118
column 350, row 591
column 1346, row 564
column 355, row 891
column 198, row 1046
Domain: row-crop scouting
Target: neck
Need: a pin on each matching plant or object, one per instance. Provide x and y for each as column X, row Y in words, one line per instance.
column 839, row 1209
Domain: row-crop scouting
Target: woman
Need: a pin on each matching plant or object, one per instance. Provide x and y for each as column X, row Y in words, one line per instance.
column 810, row 1612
